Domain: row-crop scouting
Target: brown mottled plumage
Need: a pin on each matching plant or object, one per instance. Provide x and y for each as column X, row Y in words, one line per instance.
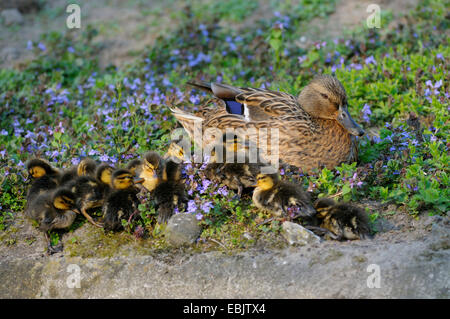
column 281, row 198
column 344, row 220
column 315, row 129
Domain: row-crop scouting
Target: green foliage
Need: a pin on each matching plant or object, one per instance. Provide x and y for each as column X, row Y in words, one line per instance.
column 62, row 106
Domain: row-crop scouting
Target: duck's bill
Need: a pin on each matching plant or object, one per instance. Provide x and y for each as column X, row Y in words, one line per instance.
column 138, row 180
column 348, row 123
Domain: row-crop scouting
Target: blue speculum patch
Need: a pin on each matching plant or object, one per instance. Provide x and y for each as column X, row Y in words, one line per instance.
column 234, row 107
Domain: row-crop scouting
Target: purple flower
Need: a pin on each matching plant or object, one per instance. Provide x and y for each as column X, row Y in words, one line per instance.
column 366, row 113
column 30, row 45
column 206, row 207
column 194, row 99
column 440, row 56
column 41, row 46
column 104, row 158
column 4, row 132
column 192, row 207
column 75, row 161
column 199, row 216
column 370, row 60
column 71, row 49
column 223, row 191
column 205, row 185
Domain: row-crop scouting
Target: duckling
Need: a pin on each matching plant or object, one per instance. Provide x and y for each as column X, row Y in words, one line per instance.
column 134, row 166
column 122, row 202
column 86, row 167
column 344, row 220
column 91, row 192
column 44, row 177
column 281, row 198
column 150, row 170
column 53, row 210
column 175, row 151
column 170, row 191
column 234, row 170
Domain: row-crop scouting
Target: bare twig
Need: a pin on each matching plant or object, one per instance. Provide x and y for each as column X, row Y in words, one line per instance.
column 219, row 243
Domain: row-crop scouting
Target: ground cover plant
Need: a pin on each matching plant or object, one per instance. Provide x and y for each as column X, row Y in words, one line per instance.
column 62, row 106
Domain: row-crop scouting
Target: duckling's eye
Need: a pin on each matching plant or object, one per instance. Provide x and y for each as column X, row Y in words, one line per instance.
column 324, row 95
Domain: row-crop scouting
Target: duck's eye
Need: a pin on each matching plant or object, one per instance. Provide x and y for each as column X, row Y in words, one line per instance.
column 324, row 95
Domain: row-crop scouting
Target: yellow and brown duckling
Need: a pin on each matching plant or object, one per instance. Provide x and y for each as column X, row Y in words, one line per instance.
column 150, row 170
column 343, row 220
column 44, row 177
column 86, row 167
column 134, row 166
column 122, row 201
column 281, row 198
column 53, row 210
column 170, row 191
column 233, row 168
column 175, row 151
column 91, row 192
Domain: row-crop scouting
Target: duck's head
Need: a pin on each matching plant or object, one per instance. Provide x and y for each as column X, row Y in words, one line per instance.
column 104, row 174
column 171, row 171
column 64, row 199
column 325, row 98
column 267, row 181
column 123, row 179
column 87, row 166
column 38, row 167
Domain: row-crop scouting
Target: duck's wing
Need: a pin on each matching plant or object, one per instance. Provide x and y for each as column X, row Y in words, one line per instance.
column 255, row 104
column 262, row 104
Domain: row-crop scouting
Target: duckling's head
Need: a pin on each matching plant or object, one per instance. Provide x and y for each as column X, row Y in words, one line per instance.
column 122, row 179
column 234, row 142
column 171, row 171
column 227, row 149
column 323, row 206
column 151, row 162
column 64, row 199
column 104, row 173
column 134, row 165
column 175, row 150
column 38, row 167
column 87, row 166
column 267, row 181
column 325, row 98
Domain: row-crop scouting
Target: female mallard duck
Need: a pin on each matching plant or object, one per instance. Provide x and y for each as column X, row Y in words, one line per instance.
column 281, row 198
column 91, row 192
column 122, row 201
column 170, row 192
column 52, row 210
column 314, row 129
column 345, row 221
column 231, row 166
